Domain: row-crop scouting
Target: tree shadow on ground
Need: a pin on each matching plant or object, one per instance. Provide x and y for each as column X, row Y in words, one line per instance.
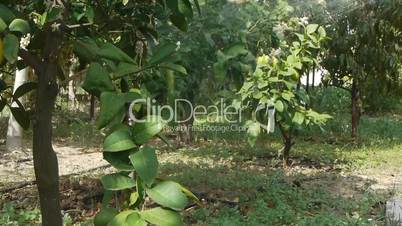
column 256, row 195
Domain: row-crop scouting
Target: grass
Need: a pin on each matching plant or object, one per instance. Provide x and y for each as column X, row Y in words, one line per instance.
column 329, row 183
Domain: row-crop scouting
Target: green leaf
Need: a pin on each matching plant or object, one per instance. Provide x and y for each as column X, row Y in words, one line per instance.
column 3, row 25
column 20, row 25
column 219, row 71
column 111, row 52
column 298, row 118
column 86, row 48
column 90, row 14
column 179, row 21
column 53, row 14
column 105, row 216
column 279, row 106
column 311, row 28
column 168, row 194
column 140, row 189
column 189, row 193
column 146, row 129
column 294, row 61
column 172, row 5
column 121, row 219
column 111, row 104
column 300, row 36
column 185, row 8
column 253, row 131
column 131, row 96
column 97, row 80
column 107, row 196
column 135, row 219
column 119, row 160
column 322, row 32
column 125, row 2
column 6, row 14
column 21, row 116
column 117, row 181
column 175, row 67
column 197, row 5
column 145, row 163
column 287, row 96
column 24, row 88
column 235, row 50
column 162, row 217
column 124, row 69
column 133, row 198
column 162, row 52
column 11, row 48
column 119, row 140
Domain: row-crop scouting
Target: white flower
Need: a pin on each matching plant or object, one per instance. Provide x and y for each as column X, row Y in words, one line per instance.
column 304, row 20
column 178, row 44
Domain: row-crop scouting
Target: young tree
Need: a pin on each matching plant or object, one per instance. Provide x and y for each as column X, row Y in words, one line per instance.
column 57, row 25
column 274, row 85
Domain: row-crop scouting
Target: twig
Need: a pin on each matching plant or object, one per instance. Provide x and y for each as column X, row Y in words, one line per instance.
column 77, row 75
column 79, row 25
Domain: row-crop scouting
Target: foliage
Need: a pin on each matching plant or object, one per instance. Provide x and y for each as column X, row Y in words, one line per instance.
column 219, row 49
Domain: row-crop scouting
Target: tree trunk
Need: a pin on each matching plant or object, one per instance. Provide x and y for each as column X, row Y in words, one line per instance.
column 45, row 159
column 308, row 81
column 15, row 131
column 355, row 108
column 298, row 85
column 312, row 84
column 187, row 134
column 92, row 108
column 287, row 141
column 71, row 92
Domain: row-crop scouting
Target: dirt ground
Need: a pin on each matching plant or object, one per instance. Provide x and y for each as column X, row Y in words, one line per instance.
column 17, row 166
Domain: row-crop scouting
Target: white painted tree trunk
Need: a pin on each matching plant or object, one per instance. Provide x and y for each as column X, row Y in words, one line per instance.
column 71, row 93
column 15, row 131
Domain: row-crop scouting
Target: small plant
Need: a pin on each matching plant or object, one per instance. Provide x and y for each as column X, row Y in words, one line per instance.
column 9, row 216
column 137, row 177
column 125, row 147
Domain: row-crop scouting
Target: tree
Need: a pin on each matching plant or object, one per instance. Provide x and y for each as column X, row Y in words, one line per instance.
column 364, row 46
column 85, row 25
column 231, row 44
column 274, row 85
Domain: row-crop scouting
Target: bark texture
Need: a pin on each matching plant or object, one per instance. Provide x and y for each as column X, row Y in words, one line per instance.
column 355, row 108
column 287, row 141
column 45, row 159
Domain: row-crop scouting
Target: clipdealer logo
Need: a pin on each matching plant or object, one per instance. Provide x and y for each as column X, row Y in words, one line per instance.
column 221, row 112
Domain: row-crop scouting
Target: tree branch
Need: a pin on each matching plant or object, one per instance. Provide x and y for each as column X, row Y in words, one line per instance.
column 79, row 25
column 76, row 75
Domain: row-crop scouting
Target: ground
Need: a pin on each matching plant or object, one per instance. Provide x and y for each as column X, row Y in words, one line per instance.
column 332, row 179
